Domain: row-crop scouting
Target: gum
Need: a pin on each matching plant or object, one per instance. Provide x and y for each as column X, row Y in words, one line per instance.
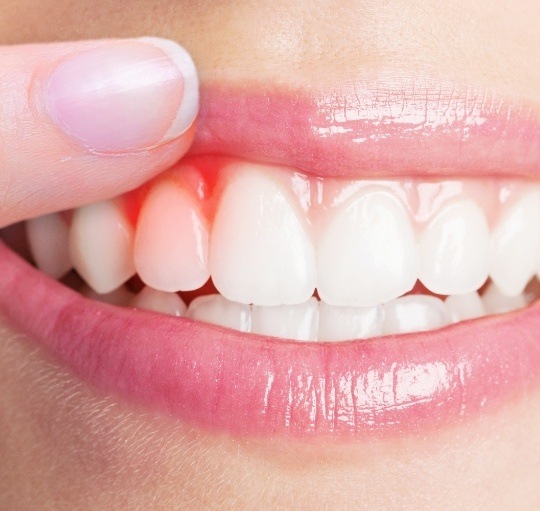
column 318, row 198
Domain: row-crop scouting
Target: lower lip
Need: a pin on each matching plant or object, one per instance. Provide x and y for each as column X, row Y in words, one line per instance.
column 226, row 381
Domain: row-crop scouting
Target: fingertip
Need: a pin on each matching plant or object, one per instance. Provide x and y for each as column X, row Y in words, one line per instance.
column 189, row 106
column 124, row 96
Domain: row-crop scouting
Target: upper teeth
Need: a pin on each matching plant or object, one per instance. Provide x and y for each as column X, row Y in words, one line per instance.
column 48, row 239
column 171, row 243
column 261, row 252
column 270, row 237
column 368, row 254
column 515, row 245
column 454, row 249
column 101, row 245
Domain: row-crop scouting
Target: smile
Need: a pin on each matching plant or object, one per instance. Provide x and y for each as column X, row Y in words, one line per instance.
column 355, row 264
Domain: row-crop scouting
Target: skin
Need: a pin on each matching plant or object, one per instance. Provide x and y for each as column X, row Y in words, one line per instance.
column 65, row 447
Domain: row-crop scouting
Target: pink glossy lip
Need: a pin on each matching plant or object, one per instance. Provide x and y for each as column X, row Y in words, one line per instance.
column 250, row 385
column 373, row 129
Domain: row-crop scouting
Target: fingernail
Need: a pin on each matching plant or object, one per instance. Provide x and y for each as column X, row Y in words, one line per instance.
column 124, row 96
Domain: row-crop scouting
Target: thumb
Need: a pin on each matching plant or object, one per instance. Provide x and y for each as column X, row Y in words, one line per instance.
column 85, row 121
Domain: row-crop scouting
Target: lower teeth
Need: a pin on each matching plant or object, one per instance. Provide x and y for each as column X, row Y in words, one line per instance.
column 317, row 321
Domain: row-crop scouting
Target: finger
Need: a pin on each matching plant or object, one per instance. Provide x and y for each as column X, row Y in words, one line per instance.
column 85, row 121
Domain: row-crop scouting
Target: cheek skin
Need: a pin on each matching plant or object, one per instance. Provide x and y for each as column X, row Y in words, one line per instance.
column 483, row 42
column 62, row 443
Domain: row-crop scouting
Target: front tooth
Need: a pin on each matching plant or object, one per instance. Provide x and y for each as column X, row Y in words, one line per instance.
column 101, row 245
column 159, row 301
column 414, row 313
column 343, row 323
column 48, row 239
column 218, row 310
column 496, row 302
column 368, row 253
column 171, row 242
column 454, row 250
column 260, row 252
column 515, row 245
column 463, row 307
column 297, row 322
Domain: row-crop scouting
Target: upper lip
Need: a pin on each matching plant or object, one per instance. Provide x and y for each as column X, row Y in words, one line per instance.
column 371, row 129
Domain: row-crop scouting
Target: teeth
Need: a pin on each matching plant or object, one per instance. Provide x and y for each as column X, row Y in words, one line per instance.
column 343, row 323
column 101, row 246
column 260, row 252
column 277, row 239
column 220, row 311
column 496, row 302
column 463, row 307
column 159, row 301
column 368, row 254
column 288, row 321
column 171, row 243
column 414, row 313
column 48, row 240
column 454, row 250
column 515, row 245
column 121, row 296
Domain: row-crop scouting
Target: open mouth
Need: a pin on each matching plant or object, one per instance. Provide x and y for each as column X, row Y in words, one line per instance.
column 318, row 270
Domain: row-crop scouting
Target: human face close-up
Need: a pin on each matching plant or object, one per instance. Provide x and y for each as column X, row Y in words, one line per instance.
column 329, row 302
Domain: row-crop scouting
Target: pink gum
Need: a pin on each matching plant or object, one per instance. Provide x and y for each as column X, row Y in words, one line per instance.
column 318, row 198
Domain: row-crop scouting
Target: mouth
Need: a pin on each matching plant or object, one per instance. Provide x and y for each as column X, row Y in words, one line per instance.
column 359, row 263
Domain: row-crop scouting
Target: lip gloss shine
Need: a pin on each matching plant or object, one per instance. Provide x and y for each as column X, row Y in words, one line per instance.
column 366, row 129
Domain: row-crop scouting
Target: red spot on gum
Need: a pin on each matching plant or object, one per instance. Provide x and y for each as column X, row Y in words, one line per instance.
column 200, row 175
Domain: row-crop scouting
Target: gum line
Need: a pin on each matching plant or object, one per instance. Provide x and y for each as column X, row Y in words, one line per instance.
column 206, row 177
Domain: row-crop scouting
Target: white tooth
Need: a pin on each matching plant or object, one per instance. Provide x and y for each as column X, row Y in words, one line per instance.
column 343, row 323
column 101, row 245
column 159, row 301
column 297, row 322
column 368, row 254
column 48, row 240
column 515, row 245
column 220, row 311
column 121, row 296
column 171, row 242
column 414, row 313
column 497, row 303
column 463, row 307
column 260, row 252
column 454, row 250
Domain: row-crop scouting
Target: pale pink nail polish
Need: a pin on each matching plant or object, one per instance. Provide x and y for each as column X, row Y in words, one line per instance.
column 124, row 95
